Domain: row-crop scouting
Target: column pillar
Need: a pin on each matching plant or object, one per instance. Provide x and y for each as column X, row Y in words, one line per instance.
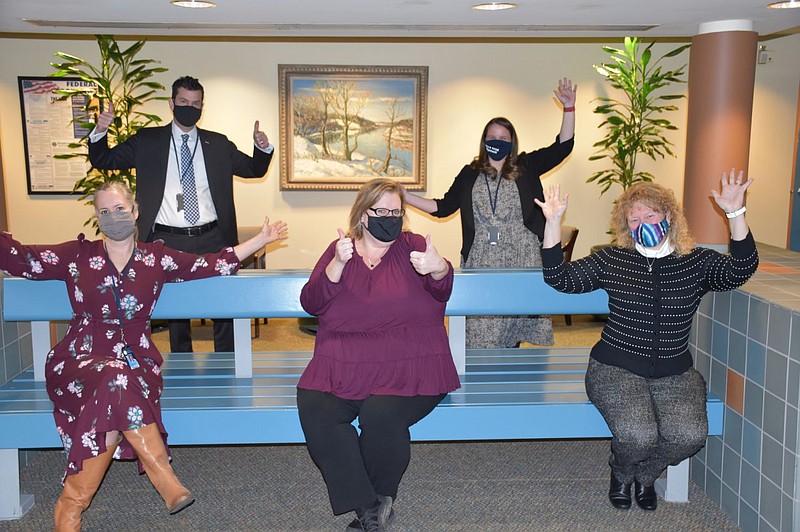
column 722, row 69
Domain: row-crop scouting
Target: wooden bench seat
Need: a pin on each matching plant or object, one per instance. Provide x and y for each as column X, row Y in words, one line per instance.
column 507, row 394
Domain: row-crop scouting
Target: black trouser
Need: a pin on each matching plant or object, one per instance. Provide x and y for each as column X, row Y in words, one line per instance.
column 356, row 468
column 180, row 331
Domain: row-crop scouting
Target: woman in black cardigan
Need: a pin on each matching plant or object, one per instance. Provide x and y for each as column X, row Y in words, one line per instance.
column 501, row 227
column 640, row 375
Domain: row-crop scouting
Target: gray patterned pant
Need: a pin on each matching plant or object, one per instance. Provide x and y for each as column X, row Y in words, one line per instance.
column 654, row 422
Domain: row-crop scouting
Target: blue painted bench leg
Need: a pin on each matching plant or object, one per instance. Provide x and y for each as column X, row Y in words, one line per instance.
column 675, row 488
column 13, row 505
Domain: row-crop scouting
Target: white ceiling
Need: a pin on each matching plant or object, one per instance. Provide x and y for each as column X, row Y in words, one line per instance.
column 389, row 18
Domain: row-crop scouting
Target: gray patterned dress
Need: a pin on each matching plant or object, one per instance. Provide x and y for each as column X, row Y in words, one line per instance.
column 516, row 247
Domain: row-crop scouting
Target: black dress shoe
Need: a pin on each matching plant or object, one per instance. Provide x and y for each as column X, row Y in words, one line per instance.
column 619, row 493
column 646, row 497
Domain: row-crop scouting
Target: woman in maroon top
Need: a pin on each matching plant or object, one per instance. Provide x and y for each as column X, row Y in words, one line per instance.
column 381, row 353
column 104, row 377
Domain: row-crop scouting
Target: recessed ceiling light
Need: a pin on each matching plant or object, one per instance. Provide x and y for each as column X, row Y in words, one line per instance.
column 196, row 4
column 785, row 4
column 494, row 6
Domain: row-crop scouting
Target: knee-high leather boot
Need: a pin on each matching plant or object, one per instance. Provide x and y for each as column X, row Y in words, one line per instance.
column 148, row 444
column 79, row 489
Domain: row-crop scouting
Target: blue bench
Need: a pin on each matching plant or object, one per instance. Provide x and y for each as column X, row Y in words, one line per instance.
column 249, row 398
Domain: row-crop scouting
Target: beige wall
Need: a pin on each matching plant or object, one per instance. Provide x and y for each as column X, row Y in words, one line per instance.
column 469, row 83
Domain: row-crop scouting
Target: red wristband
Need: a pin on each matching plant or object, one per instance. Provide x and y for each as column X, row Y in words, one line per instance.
column 569, row 109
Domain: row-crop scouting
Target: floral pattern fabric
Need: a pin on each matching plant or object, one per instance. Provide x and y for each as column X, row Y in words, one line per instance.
column 92, row 387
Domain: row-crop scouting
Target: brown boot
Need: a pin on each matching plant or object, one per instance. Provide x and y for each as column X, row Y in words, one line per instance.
column 148, row 444
column 79, row 489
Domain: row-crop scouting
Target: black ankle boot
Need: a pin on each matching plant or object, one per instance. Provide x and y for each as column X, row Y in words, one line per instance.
column 619, row 493
column 367, row 519
column 646, row 496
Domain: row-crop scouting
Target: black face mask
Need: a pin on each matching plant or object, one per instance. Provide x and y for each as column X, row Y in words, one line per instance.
column 186, row 115
column 385, row 228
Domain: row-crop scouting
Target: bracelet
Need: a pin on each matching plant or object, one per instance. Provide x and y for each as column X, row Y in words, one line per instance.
column 734, row 214
column 569, row 109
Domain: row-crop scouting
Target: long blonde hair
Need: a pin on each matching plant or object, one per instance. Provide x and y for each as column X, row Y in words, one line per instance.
column 370, row 193
column 661, row 200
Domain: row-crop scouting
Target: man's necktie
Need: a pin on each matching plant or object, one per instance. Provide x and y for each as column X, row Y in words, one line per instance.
column 191, row 210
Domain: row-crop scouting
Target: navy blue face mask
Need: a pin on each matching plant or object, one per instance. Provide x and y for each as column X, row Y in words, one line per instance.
column 497, row 149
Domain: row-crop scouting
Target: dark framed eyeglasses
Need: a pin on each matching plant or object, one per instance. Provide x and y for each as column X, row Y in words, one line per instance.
column 380, row 211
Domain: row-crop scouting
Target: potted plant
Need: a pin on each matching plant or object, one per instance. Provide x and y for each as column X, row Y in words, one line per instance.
column 635, row 123
column 122, row 79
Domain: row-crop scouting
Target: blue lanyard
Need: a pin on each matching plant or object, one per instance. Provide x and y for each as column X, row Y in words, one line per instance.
column 493, row 203
column 116, row 296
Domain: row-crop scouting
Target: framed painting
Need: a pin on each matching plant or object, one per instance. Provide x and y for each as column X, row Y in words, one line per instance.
column 344, row 125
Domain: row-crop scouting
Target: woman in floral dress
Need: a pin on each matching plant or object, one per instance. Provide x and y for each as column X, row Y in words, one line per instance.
column 104, row 377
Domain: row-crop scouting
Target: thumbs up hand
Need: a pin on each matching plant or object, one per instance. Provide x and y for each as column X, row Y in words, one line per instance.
column 429, row 261
column 259, row 137
column 344, row 248
column 105, row 119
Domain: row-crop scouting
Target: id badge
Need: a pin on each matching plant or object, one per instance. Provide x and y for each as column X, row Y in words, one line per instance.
column 494, row 235
column 132, row 362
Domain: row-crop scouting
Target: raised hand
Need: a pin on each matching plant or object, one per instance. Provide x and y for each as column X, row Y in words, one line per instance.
column 731, row 198
column 259, row 137
column 553, row 206
column 566, row 92
column 106, row 118
column 274, row 231
column 344, row 248
column 429, row 261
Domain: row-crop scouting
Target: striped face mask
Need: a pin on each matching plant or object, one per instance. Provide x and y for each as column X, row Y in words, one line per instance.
column 649, row 235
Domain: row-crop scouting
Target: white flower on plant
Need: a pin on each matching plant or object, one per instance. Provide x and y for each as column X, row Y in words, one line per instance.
column 109, row 334
column 118, row 349
column 135, row 416
column 199, row 263
column 224, row 267
column 132, row 274
column 75, row 387
column 144, row 342
column 72, row 268
column 97, row 262
column 149, row 260
column 89, row 439
column 14, row 251
column 36, row 266
column 84, row 363
column 49, row 257
column 168, row 263
column 121, row 381
column 58, row 368
column 108, row 281
column 78, row 295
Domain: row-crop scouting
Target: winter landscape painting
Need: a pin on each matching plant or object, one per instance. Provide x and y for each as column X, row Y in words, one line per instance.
column 344, row 125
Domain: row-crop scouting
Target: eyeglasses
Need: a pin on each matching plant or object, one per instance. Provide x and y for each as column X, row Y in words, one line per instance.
column 380, row 211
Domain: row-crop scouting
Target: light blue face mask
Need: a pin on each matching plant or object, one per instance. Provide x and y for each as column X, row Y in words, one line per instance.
column 649, row 235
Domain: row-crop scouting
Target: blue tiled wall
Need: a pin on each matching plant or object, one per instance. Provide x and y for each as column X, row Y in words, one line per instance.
column 750, row 470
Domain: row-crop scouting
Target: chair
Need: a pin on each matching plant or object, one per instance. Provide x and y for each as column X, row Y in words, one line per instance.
column 569, row 235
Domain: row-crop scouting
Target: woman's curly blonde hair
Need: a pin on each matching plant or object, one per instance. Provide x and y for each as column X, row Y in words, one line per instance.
column 661, row 200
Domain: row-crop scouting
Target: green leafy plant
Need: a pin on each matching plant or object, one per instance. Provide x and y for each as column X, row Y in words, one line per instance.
column 123, row 79
column 634, row 124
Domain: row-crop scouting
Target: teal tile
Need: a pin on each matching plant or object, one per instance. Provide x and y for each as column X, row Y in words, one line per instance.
column 748, row 518
column 714, row 456
column 757, row 320
column 704, row 334
column 13, row 362
column 713, row 487
column 719, row 379
column 753, row 402
column 779, row 329
column 706, row 307
column 790, row 437
column 740, row 306
column 772, row 460
column 750, row 485
column 789, row 462
column 774, row 416
column 787, row 513
column 702, row 363
column 698, row 473
column 751, row 444
column 722, row 307
column 756, row 362
column 730, row 503
column 793, row 383
column 731, row 465
column 776, row 373
column 770, row 504
column 732, row 430
column 25, row 352
column 737, row 352
column 719, row 342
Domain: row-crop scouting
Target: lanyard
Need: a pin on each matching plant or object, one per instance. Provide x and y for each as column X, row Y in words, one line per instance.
column 116, row 296
column 493, row 203
column 178, row 155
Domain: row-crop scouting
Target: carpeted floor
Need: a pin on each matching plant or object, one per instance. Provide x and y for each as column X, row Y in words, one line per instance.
column 466, row 486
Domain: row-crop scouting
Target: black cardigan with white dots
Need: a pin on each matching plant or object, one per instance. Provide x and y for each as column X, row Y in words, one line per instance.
column 651, row 301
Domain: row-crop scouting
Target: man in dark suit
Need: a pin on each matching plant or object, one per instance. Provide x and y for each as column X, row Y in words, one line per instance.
column 184, row 185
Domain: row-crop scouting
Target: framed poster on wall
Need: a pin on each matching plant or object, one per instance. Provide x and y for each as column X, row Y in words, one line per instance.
column 52, row 127
column 343, row 125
